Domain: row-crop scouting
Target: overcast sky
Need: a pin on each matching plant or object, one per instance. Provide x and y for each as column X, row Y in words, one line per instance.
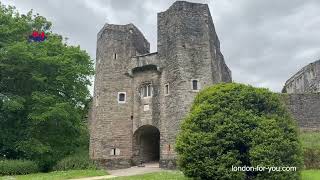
column 264, row 42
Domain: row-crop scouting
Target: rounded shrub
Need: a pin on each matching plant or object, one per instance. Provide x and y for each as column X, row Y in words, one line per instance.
column 16, row 167
column 235, row 125
column 75, row 161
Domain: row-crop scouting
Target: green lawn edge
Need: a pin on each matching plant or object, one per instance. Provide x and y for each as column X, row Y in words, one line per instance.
column 164, row 175
column 57, row 175
column 177, row 175
column 313, row 174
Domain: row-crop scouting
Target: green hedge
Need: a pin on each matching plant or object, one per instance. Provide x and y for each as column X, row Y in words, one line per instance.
column 76, row 161
column 15, row 167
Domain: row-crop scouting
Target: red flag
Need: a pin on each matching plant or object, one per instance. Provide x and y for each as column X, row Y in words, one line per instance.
column 42, row 35
column 35, row 34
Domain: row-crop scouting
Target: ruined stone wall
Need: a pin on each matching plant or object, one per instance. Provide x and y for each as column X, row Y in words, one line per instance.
column 187, row 47
column 305, row 109
column 303, row 98
column 142, row 60
column 111, row 123
column 305, row 80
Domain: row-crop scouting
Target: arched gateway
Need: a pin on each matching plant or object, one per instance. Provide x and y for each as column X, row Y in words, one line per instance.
column 146, row 144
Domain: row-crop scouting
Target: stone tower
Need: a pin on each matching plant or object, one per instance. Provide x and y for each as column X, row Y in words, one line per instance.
column 140, row 98
column 111, row 125
column 189, row 50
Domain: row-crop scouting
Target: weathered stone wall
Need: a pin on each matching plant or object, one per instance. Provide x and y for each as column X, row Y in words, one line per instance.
column 146, row 110
column 305, row 109
column 188, row 49
column 111, row 123
column 220, row 71
column 305, row 80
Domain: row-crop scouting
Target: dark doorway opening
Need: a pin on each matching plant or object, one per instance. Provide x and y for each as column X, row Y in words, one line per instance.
column 146, row 144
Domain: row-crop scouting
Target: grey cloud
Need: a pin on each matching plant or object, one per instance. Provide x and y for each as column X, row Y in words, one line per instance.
column 261, row 40
column 264, row 42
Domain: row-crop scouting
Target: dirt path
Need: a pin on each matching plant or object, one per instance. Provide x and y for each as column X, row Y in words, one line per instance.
column 149, row 168
column 96, row 178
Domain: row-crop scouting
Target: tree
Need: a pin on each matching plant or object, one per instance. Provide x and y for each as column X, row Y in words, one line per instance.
column 238, row 125
column 43, row 90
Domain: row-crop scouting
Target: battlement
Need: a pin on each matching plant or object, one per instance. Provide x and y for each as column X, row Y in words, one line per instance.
column 129, row 34
column 126, row 28
column 187, row 6
column 118, row 27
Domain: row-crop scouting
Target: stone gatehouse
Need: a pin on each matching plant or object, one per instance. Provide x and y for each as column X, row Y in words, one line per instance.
column 141, row 97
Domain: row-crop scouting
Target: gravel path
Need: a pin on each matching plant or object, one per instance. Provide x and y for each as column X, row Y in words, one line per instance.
column 149, row 168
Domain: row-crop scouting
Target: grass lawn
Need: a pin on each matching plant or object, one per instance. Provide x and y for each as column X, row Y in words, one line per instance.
column 310, row 140
column 310, row 175
column 176, row 175
column 168, row 175
column 57, row 175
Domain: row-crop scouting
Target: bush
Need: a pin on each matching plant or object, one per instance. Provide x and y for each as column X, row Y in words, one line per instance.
column 15, row 167
column 76, row 161
column 238, row 125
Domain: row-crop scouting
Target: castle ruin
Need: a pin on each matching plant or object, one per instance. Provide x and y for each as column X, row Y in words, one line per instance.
column 140, row 97
column 305, row 80
column 303, row 97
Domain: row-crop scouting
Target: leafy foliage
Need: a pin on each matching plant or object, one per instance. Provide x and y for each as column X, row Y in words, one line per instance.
column 43, row 91
column 76, row 161
column 14, row 167
column 237, row 125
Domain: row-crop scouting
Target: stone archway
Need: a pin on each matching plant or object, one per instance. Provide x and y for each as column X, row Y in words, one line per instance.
column 146, row 144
